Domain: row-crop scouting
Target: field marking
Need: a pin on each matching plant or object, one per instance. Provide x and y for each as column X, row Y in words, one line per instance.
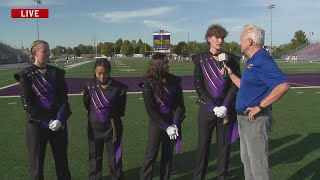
column 75, row 65
column 10, row 103
column 8, row 86
column 299, row 92
column 185, row 91
column 126, row 70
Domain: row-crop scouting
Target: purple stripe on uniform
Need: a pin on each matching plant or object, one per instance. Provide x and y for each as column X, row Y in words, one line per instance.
column 38, row 83
column 226, row 104
column 233, row 133
column 61, row 116
column 176, row 121
column 210, row 105
column 178, row 143
column 216, row 70
column 104, row 97
column 216, row 80
column 97, row 99
column 118, row 150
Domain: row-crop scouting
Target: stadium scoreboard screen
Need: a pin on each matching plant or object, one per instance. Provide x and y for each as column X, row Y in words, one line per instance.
column 161, row 41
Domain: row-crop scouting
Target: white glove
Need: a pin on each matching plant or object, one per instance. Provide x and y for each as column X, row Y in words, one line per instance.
column 176, row 130
column 215, row 110
column 221, row 112
column 171, row 132
column 54, row 125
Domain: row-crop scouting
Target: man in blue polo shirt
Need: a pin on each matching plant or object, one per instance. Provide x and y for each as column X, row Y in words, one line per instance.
column 261, row 84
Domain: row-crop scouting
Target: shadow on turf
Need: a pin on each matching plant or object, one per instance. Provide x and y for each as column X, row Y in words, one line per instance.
column 297, row 152
column 183, row 163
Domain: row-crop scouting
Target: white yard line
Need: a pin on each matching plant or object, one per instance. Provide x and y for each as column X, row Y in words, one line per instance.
column 76, row 64
column 8, row 86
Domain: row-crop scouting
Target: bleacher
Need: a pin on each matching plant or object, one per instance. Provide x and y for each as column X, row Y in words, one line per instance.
column 309, row 53
column 10, row 55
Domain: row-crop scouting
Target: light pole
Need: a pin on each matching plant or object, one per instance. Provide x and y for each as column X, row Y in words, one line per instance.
column 38, row 2
column 271, row 7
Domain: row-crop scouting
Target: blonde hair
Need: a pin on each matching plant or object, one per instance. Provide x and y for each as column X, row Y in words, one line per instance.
column 35, row 45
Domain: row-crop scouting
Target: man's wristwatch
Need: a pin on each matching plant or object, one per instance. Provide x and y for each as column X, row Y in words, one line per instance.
column 259, row 106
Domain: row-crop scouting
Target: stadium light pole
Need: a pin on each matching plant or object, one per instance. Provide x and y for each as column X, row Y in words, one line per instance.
column 271, row 7
column 38, row 2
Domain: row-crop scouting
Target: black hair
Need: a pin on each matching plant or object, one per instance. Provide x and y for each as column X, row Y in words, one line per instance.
column 104, row 62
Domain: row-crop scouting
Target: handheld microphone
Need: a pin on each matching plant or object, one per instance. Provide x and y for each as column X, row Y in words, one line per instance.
column 224, row 58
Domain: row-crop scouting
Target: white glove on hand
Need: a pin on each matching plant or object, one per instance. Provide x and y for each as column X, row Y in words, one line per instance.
column 221, row 112
column 215, row 110
column 171, row 132
column 176, row 130
column 54, row 125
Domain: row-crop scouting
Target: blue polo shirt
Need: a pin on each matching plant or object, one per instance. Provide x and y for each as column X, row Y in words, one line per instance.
column 260, row 76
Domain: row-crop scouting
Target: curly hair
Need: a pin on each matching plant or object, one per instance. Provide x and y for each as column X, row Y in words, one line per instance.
column 155, row 74
column 216, row 30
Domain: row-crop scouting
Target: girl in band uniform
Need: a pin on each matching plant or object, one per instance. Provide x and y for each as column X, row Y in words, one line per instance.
column 44, row 98
column 163, row 98
column 105, row 100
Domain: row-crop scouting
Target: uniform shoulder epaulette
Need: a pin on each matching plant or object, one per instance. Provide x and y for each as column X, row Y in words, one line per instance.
column 23, row 73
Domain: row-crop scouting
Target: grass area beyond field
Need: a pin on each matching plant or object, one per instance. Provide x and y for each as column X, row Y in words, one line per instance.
column 138, row 67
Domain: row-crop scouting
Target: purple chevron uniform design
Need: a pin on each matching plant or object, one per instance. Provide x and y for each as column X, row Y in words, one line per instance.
column 101, row 101
column 44, row 89
column 214, row 79
column 165, row 105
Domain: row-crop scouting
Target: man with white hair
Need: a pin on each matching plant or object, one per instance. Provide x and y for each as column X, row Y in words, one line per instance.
column 261, row 84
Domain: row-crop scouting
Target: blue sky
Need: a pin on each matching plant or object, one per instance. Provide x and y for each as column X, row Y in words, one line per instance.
column 72, row 22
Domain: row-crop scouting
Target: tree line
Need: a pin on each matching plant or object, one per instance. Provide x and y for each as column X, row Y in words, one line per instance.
column 127, row 48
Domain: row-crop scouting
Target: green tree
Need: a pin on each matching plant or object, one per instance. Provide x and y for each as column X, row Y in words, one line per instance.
column 83, row 49
column 90, row 49
column 104, row 50
column 109, row 48
column 193, row 47
column 299, row 39
column 136, row 49
column 134, row 43
column 232, row 47
column 117, row 45
column 181, row 48
column 76, row 51
column 99, row 47
column 126, row 48
column 145, row 49
column 69, row 50
column 58, row 50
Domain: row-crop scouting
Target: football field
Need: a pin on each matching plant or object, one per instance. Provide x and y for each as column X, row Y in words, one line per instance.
column 294, row 140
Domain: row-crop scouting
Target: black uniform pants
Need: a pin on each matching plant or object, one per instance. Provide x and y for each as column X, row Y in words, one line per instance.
column 96, row 141
column 37, row 139
column 156, row 136
column 207, row 121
